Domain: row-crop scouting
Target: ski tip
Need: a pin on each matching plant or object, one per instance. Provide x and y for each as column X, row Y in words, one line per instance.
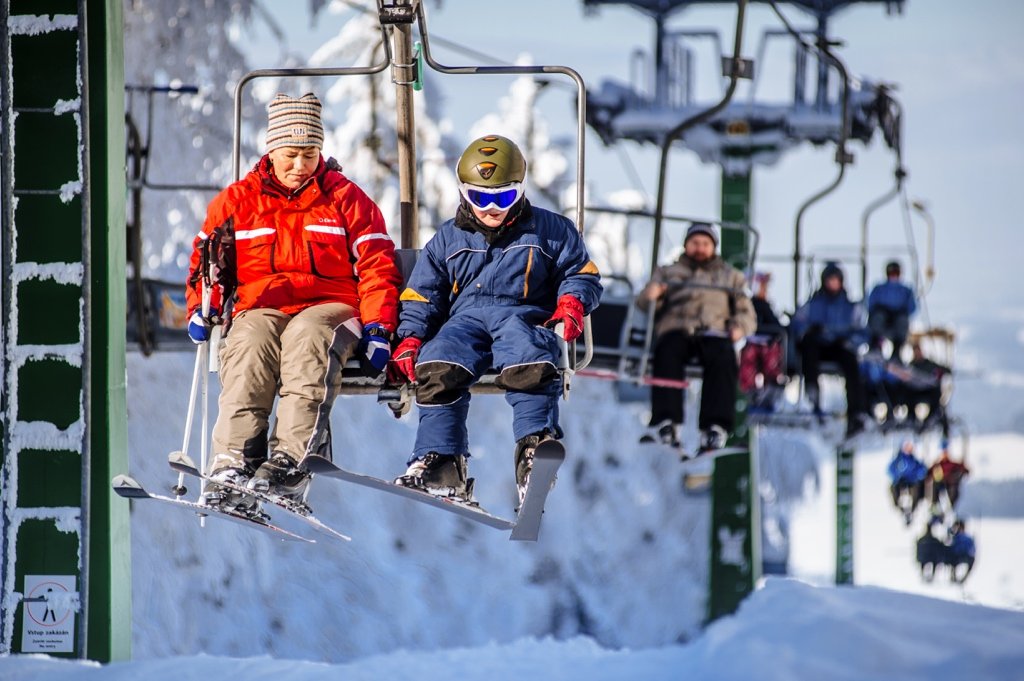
column 179, row 457
column 122, row 480
column 126, row 486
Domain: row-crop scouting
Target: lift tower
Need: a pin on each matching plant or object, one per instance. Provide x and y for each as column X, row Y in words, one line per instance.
column 743, row 133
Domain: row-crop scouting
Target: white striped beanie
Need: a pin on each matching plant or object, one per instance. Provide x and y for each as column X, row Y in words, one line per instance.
column 294, row 122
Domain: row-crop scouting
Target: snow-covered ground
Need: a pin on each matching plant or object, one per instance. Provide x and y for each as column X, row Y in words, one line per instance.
column 614, row 589
column 787, row 630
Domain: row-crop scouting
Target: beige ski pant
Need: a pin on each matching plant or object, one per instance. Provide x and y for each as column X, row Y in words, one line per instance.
column 295, row 358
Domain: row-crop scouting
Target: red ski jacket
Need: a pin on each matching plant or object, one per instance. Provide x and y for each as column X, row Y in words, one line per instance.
column 323, row 242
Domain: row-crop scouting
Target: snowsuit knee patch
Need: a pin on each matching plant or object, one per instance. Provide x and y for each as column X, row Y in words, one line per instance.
column 527, row 376
column 441, row 382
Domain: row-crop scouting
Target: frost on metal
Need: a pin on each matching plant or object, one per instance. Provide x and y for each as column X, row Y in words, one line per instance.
column 63, row 273
column 67, row 519
column 37, row 25
column 69, row 190
column 65, row 105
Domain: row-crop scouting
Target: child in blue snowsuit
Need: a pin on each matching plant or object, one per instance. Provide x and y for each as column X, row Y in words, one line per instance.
column 907, row 473
column 484, row 294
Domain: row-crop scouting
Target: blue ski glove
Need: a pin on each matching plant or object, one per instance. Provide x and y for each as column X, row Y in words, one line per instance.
column 199, row 327
column 374, row 349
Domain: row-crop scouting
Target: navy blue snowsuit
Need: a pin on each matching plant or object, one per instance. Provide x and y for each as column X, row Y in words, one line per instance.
column 480, row 305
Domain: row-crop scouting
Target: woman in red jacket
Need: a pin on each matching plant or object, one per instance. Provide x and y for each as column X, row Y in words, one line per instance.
column 302, row 259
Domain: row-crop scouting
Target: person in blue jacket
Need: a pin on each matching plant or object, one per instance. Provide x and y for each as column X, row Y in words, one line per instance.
column 890, row 306
column 907, row 474
column 828, row 327
column 486, row 293
column 961, row 551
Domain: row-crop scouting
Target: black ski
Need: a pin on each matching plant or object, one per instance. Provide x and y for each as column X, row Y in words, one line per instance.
column 547, row 458
column 129, row 488
column 319, row 465
column 182, row 463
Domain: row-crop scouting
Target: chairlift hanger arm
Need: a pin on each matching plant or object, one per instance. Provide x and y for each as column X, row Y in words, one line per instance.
column 236, row 159
column 581, row 97
column 842, row 157
column 666, row 145
column 141, row 148
column 690, row 122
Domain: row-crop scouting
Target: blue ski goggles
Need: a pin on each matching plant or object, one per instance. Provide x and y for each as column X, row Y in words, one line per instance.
column 485, row 198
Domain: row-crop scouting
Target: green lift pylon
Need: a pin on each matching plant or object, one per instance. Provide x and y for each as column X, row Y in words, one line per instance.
column 66, row 552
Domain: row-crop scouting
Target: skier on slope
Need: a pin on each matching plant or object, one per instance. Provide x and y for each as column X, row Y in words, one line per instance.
column 315, row 280
column 484, row 294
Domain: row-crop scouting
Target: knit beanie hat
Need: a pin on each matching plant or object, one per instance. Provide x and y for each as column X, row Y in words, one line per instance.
column 831, row 269
column 294, row 122
column 701, row 228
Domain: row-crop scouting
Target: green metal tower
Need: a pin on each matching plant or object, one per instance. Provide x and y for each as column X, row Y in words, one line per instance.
column 65, row 560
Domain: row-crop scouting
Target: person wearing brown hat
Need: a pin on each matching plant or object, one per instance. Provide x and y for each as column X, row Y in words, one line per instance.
column 701, row 309
column 305, row 277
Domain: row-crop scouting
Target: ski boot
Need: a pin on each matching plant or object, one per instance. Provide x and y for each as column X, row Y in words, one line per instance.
column 279, row 476
column 666, row 433
column 713, row 438
column 226, row 499
column 439, row 474
column 525, row 448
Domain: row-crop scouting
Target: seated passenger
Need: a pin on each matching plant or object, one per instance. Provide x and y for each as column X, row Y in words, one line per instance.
column 960, row 552
column 487, row 292
column 701, row 309
column 762, row 356
column 906, row 475
column 945, row 475
column 890, row 306
column 931, row 552
column 893, row 385
column 828, row 327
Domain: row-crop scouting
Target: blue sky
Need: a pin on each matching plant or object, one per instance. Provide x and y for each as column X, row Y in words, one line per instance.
column 959, row 74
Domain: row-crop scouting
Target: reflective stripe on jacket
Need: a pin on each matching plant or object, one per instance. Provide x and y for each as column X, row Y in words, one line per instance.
column 324, row 242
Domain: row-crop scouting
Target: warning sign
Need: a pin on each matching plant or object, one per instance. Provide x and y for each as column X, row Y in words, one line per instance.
column 50, row 603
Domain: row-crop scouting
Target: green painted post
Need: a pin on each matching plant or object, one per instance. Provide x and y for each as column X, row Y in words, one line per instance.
column 109, row 611
column 65, row 547
column 736, row 208
column 844, row 516
column 735, row 499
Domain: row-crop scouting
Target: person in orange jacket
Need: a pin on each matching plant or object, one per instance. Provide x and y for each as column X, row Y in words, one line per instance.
column 303, row 276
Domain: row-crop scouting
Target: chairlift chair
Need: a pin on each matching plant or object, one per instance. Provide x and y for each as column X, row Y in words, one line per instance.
column 396, row 14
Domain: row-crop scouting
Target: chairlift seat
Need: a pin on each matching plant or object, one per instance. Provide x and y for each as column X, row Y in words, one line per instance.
column 354, row 382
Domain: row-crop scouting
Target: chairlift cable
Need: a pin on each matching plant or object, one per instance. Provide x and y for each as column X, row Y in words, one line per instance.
column 632, row 173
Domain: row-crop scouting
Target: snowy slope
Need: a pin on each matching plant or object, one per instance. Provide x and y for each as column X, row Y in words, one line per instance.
column 787, row 630
column 622, row 554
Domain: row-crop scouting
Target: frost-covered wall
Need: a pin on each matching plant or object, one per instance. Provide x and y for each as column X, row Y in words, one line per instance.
column 44, row 367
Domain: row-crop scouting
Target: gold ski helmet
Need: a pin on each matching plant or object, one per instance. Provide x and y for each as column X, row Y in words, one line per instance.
column 491, row 161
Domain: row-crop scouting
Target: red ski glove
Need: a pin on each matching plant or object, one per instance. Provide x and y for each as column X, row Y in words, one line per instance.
column 569, row 311
column 402, row 367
